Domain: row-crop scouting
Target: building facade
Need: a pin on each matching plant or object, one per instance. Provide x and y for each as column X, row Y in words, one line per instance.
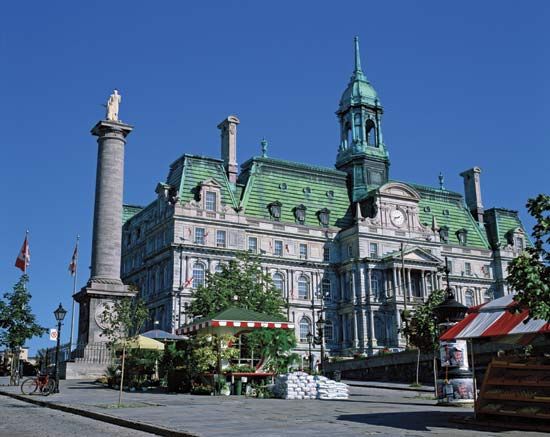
column 347, row 242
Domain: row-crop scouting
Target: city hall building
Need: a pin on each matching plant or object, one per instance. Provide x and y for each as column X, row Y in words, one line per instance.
column 349, row 242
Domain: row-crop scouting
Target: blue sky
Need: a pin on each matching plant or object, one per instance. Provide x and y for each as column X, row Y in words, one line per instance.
column 463, row 84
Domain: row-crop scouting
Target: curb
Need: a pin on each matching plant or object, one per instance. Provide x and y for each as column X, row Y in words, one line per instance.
column 132, row 424
column 386, row 387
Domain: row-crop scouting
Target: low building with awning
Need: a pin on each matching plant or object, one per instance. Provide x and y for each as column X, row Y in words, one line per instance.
column 234, row 321
column 503, row 319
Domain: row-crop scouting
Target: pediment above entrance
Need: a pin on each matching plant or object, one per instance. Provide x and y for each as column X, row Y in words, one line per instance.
column 416, row 255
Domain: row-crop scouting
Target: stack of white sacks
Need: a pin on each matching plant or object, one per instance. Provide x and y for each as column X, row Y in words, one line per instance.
column 300, row 385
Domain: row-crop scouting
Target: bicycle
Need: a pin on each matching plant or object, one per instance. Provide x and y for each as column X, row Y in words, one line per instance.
column 42, row 383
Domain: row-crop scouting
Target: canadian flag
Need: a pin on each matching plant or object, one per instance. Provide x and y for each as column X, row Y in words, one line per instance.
column 24, row 258
column 73, row 264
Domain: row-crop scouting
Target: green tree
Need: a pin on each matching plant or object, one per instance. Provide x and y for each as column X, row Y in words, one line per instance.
column 17, row 322
column 123, row 320
column 529, row 273
column 276, row 345
column 422, row 327
column 241, row 283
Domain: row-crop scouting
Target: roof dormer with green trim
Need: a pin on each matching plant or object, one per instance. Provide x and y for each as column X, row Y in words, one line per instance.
column 362, row 153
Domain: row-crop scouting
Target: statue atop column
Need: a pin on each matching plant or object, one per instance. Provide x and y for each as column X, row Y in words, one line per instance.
column 113, row 105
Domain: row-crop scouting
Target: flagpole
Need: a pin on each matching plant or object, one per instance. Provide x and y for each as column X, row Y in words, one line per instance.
column 74, row 292
column 26, row 256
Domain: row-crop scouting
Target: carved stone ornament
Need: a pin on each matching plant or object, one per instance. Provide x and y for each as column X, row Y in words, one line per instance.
column 98, row 314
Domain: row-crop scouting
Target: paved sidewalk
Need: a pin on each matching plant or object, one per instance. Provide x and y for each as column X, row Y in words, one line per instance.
column 388, row 385
column 369, row 411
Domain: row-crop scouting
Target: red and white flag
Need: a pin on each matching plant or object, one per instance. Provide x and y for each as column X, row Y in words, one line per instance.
column 188, row 282
column 74, row 261
column 24, row 258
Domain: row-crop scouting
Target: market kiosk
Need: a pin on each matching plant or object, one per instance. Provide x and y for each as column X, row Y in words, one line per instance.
column 516, row 389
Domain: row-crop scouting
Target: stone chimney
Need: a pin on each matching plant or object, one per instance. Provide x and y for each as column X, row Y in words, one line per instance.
column 472, row 192
column 228, row 129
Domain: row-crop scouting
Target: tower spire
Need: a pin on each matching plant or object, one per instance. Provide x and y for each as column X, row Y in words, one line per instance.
column 357, row 56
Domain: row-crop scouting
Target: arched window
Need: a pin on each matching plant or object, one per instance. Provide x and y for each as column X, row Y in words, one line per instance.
column 279, row 283
column 198, row 275
column 303, row 288
column 305, row 327
column 469, row 298
column 370, row 132
column 329, row 331
column 348, row 137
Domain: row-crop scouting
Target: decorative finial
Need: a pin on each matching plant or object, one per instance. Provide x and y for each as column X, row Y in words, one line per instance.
column 264, row 147
column 441, row 181
column 357, row 55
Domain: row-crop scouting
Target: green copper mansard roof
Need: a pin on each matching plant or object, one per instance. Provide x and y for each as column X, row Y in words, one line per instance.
column 449, row 210
column 359, row 89
column 500, row 223
column 267, row 180
column 189, row 171
column 128, row 211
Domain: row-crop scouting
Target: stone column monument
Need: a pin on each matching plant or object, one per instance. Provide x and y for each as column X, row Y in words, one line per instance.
column 104, row 285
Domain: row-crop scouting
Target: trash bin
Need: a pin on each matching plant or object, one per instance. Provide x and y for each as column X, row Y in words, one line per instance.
column 238, row 387
column 337, row 375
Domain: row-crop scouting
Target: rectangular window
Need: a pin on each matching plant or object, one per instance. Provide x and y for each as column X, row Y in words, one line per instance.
column 350, row 251
column 328, row 332
column 518, row 242
column 303, row 251
column 210, row 201
column 199, row 235
column 253, row 244
column 450, row 266
column 373, row 249
column 278, row 248
column 220, row 238
column 326, row 254
column 374, row 290
column 468, row 269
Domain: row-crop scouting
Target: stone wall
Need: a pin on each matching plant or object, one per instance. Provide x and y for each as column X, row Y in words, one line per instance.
column 401, row 366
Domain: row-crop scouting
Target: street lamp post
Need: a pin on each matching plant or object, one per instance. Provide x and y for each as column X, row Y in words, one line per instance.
column 321, row 330
column 309, row 337
column 59, row 314
column 455, row 384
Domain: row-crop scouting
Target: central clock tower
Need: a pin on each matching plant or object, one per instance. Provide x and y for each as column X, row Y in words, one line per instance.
column 362, row 152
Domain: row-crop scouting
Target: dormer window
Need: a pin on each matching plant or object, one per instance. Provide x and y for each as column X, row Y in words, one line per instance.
column 462, row 235
column 444, row 234
column 275, row 210
column 300, row 214
column 210, row 201
column 324, row 217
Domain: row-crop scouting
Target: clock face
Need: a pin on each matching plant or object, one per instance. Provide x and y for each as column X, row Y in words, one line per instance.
column 397, row 217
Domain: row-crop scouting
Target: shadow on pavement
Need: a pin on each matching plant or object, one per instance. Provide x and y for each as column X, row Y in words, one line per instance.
column 412, row 420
